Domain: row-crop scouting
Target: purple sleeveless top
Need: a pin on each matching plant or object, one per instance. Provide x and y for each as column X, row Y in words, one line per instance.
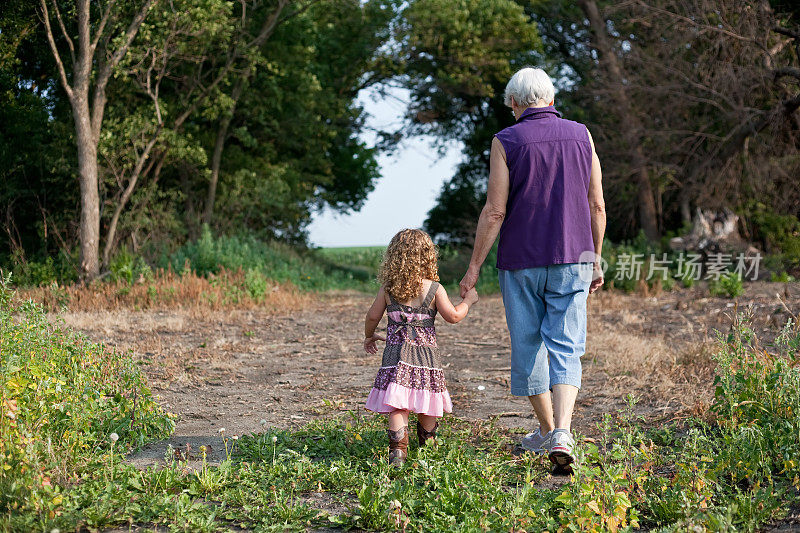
column 547, row 218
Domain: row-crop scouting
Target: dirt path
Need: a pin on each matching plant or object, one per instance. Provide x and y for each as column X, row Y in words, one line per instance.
column 237, row 369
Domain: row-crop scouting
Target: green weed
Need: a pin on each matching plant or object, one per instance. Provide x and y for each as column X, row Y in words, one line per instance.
column 68, row 406
column 781, row 277
column 127, row 267
column 728, row 285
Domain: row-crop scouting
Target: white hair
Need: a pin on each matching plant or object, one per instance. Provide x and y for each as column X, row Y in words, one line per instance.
column 528, row 86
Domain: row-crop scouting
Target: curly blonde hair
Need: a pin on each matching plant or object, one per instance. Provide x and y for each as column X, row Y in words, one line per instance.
column 410, row 258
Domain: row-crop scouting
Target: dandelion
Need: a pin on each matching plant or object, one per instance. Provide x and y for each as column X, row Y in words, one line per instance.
column 263, row 422
column 113, row 438
column 235, row 437
column 221, row 430
column 274, row 439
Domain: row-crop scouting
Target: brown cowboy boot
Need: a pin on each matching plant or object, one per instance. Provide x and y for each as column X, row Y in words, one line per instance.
column 398, row 446
column 423, row 435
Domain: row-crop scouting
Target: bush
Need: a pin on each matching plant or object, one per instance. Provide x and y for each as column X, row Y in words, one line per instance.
column 128, row 268
column 780, row 234
column 62, row 399
column 782, row 277
column 620, row 258
column 453, row 263
column 756, row 399
column 736, row 471
column 39, row 272
column 729, row 285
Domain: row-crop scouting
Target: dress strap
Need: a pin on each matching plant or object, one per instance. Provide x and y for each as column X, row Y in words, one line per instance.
column 431, row 293
column 391, row 298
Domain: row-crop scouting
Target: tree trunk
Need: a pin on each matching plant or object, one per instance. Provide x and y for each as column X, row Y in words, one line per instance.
column 86, row 139
column 188, row 204
column 216, row 160
column 629, row 122
column 648, row 215
column 686, row 211
column 90, row 196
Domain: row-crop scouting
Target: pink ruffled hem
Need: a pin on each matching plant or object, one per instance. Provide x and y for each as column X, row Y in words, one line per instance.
column 422, row 402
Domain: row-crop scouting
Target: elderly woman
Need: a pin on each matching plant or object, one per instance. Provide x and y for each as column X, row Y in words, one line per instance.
column 545, row 200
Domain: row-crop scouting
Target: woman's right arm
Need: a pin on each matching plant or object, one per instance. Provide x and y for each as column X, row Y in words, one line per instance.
column 492, row 215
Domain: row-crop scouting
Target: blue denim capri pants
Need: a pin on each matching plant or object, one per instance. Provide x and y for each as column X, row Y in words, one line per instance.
column 546, row 316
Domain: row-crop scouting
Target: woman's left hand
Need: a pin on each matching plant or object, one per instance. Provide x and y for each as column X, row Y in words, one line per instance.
column 597, row 278
column 369, row 343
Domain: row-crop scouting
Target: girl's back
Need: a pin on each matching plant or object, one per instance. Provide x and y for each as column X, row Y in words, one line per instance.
column 410, row 378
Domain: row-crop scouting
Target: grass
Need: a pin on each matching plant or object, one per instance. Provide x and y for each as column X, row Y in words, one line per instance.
column 216, row 273
column 365, row 258
column 71, row 410
column 308, row 270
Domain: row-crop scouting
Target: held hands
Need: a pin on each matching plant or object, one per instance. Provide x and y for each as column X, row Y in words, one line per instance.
column 469, row 281
column 369, row 343
column 471, row 297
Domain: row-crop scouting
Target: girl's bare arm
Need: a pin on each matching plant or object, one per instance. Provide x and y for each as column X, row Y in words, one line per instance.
column 375, row 313
column 454, row 314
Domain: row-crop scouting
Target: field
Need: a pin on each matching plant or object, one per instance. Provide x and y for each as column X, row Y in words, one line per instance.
column 175, row 355
column 270, row 433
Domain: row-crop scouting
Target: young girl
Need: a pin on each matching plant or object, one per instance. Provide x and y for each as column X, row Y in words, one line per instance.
column 410, row 377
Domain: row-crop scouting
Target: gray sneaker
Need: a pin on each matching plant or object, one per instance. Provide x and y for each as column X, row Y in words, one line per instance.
column 536, row 442
column 561, row 446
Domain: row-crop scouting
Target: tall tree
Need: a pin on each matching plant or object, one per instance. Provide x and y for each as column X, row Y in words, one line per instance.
column 457, row 58
column 629, row 123
column 141, row 135
column 250, row 47
column 719, row 82
column 94, row 55
column 293, row 145
column 701, row 79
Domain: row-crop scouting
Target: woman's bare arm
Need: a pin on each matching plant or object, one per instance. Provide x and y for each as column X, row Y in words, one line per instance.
column 492, row 215
column 597, row 210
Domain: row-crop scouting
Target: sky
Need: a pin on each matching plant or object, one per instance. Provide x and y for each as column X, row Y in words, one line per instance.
column 410, row 182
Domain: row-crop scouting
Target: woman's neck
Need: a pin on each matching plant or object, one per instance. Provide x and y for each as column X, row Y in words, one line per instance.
column 518, row 111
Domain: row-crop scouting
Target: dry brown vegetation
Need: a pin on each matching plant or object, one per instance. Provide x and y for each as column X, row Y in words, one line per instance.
column 168, row 290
